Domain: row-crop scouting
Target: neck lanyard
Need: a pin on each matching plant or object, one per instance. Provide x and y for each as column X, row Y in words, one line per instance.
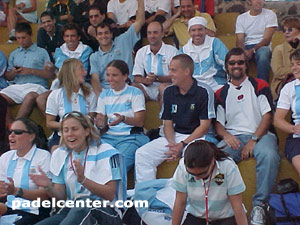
column 206, row 195
column 84, row 163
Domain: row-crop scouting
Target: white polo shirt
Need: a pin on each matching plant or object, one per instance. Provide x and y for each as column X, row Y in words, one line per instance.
column 146, row 61
column 244, row 109
column 219, row 189
column 38, row 157
column 290, row 99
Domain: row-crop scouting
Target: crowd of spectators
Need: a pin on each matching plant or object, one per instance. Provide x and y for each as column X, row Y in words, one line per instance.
column 101, row 77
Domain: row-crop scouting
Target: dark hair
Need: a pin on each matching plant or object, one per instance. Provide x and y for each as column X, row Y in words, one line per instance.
column 103, row 25
column 46, row 13
column 120, row 65
column 236, row 51
column 186, row 62
column 200, row 153
column 24, row 27
column 100, row 9
column 71, row 26
column 295, row 55
column 40, row 138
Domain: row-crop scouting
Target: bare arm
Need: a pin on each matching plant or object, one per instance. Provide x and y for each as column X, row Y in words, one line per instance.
column 240, row 40
column 179, row 207
column 200, row 131
column 47, row 74
column 30, row 9
column 106, row 191
column 167, row 24
column 267, row 38
column 281, row 123
column 96, row 84
column 239, row 213
column 140, row 16
column 52, row 123
column 229, row 139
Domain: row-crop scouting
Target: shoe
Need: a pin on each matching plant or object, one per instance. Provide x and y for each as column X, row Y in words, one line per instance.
column 10, row 42
column 258, row 216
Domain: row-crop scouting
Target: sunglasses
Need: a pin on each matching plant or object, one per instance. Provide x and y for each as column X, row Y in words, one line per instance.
column 239, row 62
column 74, row 114
column 18, row 132
column 289, row 30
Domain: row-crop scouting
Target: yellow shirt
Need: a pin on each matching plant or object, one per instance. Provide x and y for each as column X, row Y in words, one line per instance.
column 181, row 29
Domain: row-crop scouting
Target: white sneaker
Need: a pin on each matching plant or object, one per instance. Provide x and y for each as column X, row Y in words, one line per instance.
column 258, row 216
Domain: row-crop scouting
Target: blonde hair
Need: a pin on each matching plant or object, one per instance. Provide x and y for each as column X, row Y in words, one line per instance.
column 85, row 122
column 68, row 79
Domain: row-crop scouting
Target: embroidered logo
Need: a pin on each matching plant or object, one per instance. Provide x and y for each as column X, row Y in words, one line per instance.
column 192, row 107
column 174, row 108
column 192, row 179
column 219, row 179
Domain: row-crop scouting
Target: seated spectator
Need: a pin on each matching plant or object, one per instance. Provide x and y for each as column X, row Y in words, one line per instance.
column 119, row 48
column 188, row 109
column 16, row 165
column 22, row 11
column 288, row 101
column 82, row 170
column 178, row 23
column 151, row 64
column 280, row 63
column 244, row 122
column 122, row 109
column 64, row 11
column 254, row 30
column 72, row 48
column 73, row 94
column 85, row 6
column 208, row 54
column 3, row 12
column 28, row 71
column 122, row 12
column 207, row 169
column 96, row 17
column 156, row 10
column 49, row 34
column 3, row 67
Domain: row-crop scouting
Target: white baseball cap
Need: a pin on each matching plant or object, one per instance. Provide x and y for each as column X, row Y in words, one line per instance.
column 197, row 20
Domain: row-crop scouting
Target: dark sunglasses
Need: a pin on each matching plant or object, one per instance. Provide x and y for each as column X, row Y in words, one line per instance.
column 289, row 30
column 74, row 114
column 18, row 132
column 239, row 62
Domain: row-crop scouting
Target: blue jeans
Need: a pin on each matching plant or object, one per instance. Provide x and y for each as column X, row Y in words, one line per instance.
column 262, row 59
column 126, row 145
column 267, row 163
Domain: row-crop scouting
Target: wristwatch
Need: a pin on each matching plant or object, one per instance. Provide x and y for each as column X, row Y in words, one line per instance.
column 19, row 192
column 254, row 138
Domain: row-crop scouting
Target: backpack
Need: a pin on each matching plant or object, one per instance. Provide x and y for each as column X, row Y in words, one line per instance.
column 283, row 208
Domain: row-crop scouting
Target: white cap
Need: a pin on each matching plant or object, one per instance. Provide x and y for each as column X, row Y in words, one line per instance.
column 197, row 20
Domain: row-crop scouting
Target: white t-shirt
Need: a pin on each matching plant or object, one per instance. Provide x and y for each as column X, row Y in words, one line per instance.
column 122, row 11
column 254, row 26
column 152, row 6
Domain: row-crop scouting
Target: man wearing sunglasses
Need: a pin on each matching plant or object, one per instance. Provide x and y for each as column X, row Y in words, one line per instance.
column 244, row 122
column 254, row 30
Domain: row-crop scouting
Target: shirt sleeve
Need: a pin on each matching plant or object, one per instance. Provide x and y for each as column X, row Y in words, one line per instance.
column 221, row 115
column 284, row 101
column 52, row 107
column 138, row 68
column 239, row 29
column 271, row 20
column 101, row 103
column 179, row 181
column 138, row 101
column 94, row 64
column 60, row 178
column 93, row 101
column 167, row 107
column 2, row 168
column 235, row 183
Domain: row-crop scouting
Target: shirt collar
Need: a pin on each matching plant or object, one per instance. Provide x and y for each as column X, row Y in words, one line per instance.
column 102, row 52
column 191, row 91
column 33, row 47
column 162, row 50
column 28, row 155
column 297, row 81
